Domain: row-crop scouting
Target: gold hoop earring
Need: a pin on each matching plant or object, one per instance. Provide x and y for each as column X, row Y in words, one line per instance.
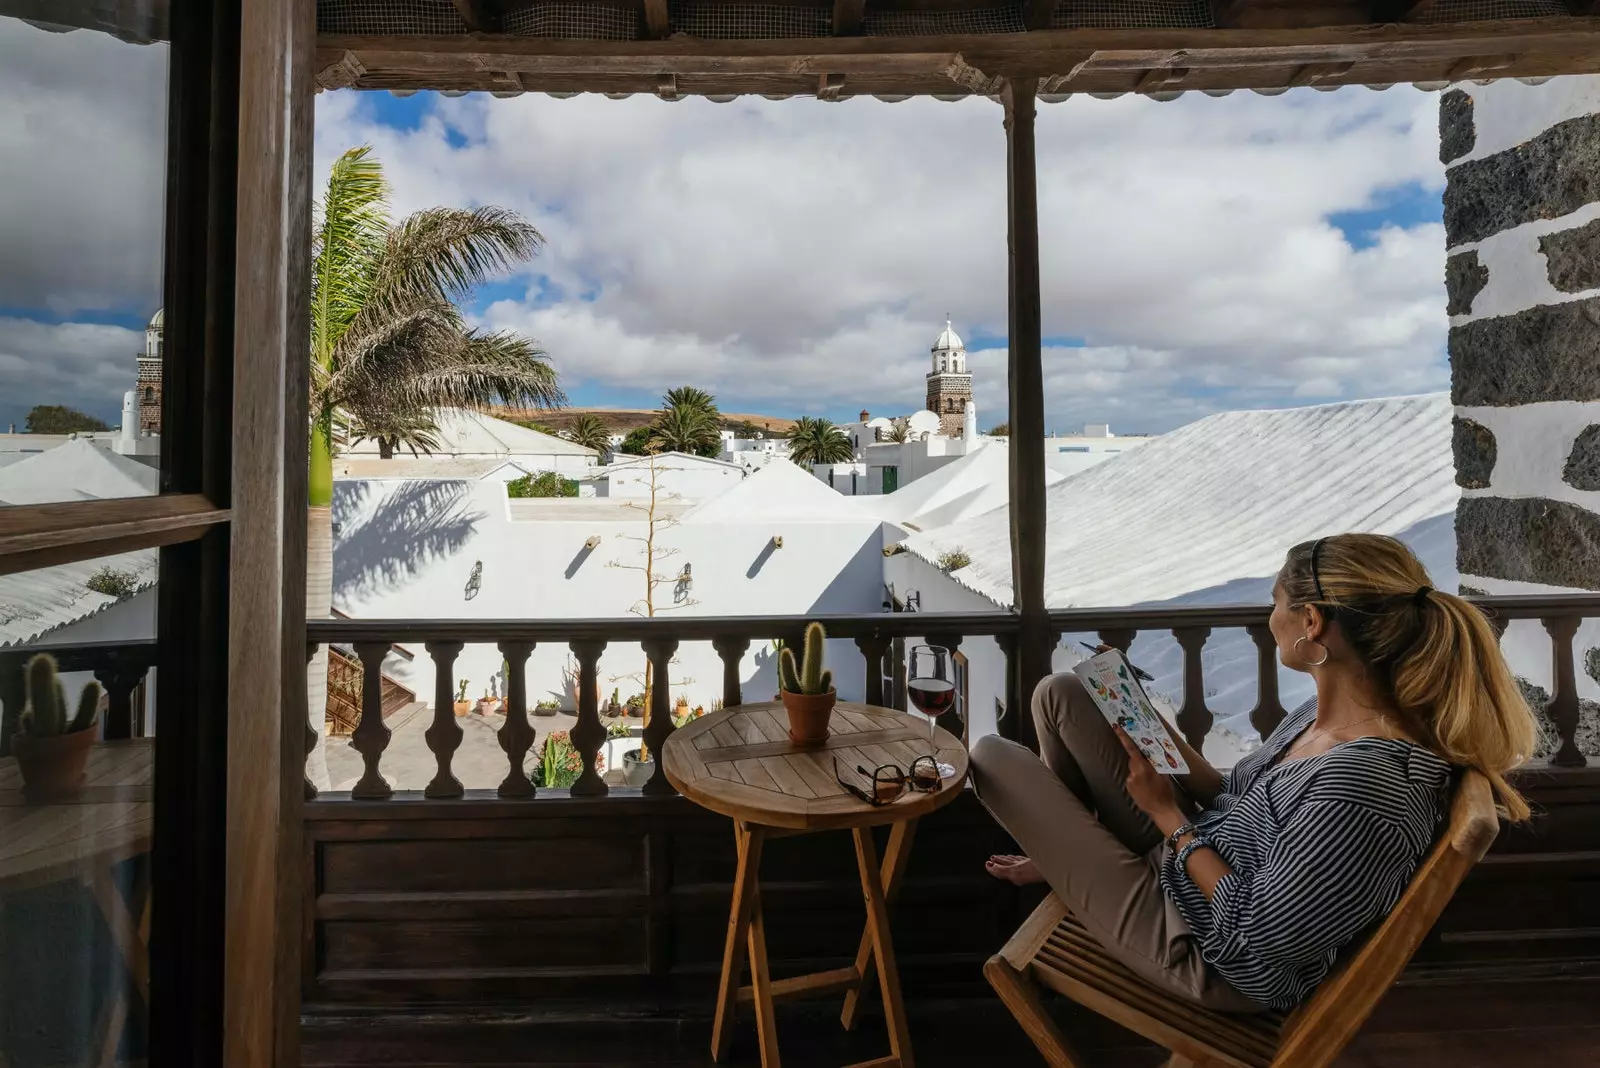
column 1310, row 663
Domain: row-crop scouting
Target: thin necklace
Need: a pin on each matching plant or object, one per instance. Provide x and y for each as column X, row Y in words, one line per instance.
column 1317, row 732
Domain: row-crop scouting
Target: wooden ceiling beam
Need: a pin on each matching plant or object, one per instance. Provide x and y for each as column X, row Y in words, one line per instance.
column 1226, row 58
column 1317, row 73
column 1161, row 78
column 1478, row 67
column 848, row 16
column 829, row 86
column 657, row 26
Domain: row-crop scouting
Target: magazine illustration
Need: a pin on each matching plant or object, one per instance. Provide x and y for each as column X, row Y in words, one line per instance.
column 1115, row 688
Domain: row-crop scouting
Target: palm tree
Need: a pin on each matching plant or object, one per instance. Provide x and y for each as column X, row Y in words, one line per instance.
column 818, row 441
column 899, row 431
column 389, row 345
column 591, row 432
column 686, row 428
column 690, row 397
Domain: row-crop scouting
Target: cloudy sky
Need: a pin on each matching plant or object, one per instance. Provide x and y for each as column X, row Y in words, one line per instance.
column 798, row 256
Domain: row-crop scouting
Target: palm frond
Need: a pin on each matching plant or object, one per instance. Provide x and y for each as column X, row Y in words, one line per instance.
column 818, row 441
column 352, row 225
column 481, row 370
column 685, row 429
column 447, row 252
column 689, row 397
column 591, row 432
column 414, row 431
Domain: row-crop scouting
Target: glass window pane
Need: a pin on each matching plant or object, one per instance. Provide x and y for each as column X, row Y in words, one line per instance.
column 82, row 185
column 76, row 810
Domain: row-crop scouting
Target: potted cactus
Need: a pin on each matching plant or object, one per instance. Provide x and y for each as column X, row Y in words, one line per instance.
column 51, row 749
column 807, row 689
column 462, row 706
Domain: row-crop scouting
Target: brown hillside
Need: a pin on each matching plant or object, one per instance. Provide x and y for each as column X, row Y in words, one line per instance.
column 622, row 420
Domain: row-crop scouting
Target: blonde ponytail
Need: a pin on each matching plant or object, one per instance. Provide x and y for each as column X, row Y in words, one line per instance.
column 1434, row 653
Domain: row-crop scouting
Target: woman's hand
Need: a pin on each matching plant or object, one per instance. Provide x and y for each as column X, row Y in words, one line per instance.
column 1150, row 790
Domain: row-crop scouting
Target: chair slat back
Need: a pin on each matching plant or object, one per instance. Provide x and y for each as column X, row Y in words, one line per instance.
column 1319, row 1029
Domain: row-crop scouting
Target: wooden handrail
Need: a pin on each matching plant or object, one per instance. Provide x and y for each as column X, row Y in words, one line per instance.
column 873, row 634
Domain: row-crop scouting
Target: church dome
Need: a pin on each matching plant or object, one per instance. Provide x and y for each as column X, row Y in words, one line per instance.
column 948, row 340
column 156, row 320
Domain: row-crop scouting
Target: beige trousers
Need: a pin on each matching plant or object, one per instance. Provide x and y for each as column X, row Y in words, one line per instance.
column 1068, row 810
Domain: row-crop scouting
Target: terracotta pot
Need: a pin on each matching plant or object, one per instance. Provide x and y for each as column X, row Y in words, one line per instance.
column 52, row 768
column 463, row 707
column 808, row 716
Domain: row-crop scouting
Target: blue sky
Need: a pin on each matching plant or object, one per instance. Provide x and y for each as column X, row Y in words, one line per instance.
column 799, row 258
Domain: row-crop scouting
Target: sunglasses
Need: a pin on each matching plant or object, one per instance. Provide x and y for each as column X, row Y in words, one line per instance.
column 889, row 781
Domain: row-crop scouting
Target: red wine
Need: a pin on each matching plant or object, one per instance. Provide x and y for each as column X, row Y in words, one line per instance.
column 933, row 697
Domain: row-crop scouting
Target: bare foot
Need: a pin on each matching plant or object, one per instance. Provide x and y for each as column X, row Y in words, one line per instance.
column 1013, row 869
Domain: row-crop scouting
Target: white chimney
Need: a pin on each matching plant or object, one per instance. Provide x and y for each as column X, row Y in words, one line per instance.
column 130, row 417
column 969, row 426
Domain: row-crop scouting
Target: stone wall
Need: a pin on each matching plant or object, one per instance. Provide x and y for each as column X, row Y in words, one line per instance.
column 1522, row 222
column 1522, row 276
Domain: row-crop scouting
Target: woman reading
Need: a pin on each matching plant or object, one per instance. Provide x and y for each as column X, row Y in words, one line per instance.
column 1236, row 890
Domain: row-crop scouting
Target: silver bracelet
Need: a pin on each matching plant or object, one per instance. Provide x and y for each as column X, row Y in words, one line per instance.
column 1182, row 860
column 1172, row 839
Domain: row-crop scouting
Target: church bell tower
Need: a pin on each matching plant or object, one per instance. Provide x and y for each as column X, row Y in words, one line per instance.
column 949, row 384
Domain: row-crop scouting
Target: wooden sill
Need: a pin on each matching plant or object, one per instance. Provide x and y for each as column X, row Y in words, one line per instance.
column 44, row 535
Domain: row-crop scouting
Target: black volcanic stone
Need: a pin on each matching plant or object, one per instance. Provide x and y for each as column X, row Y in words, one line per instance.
column 1529, row 540
column 1464, row 279
column 1546, row 353
column 1555, row 173
column 1583, row 462
column 1572, row 258
column 1457, row 131
column 1474, row 447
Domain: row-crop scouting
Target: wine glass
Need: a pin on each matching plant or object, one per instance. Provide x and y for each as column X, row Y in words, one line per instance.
column 930, row 683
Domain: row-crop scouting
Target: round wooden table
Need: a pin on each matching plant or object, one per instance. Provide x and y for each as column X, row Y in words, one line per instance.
column 739, row 762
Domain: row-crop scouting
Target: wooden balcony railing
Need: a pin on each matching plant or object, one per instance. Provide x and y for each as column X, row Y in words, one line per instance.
column 119, row 666
column 874, row 636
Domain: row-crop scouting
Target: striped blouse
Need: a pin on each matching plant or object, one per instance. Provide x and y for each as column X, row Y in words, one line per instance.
column 1320, row 848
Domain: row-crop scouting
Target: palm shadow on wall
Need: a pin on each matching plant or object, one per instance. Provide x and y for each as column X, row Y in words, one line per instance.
column 377, row 547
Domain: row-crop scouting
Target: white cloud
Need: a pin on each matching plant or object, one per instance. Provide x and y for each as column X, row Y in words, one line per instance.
column 80, row 365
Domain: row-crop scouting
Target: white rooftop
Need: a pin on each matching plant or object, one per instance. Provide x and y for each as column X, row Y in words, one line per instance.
column 782, row 489
column 467, row 433
column 408, row 466
column 1221, row 500
column 75, row 470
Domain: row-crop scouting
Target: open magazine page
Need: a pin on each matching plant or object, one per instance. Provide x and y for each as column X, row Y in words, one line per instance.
column 1124, row 703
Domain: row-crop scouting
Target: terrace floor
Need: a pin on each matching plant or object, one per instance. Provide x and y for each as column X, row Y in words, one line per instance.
column 1550, row 1022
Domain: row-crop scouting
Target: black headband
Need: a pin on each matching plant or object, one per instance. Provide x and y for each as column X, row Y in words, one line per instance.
column 1316, row 548
column 1421, row 596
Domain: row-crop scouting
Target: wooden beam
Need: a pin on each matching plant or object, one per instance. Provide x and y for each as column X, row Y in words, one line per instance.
column 341, row 73
column 43, row 535
column 1478, row 67
column 1160, row 78
column 1036, row 14
column 1025, row 382
column 1313, row 73
column 263, row 890
column 475, row 16
column 657, row 25
column 829, row 86
column 667, row 87
column 848, row 16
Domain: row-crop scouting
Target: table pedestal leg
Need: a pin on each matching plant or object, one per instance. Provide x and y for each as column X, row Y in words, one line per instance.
column 894, row 1009
column 894, row 869
column 761, row 984
column 747, row 840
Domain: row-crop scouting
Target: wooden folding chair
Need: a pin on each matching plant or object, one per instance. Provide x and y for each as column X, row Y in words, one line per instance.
column 1053, row 950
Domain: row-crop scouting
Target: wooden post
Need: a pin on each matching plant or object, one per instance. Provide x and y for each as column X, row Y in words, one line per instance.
column 263, row 887
column 1025, row 379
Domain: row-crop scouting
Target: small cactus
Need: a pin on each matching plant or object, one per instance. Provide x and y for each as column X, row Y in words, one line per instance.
column 809, row 676
column 46, row 713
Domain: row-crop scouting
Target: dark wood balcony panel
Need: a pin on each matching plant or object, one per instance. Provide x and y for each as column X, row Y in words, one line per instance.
column 434, row 952
column 483, row 864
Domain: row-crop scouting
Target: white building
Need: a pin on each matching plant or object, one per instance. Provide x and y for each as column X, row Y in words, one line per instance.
column 467, row 435
column 673, row 475
column 1071, row 453
column 752, row 453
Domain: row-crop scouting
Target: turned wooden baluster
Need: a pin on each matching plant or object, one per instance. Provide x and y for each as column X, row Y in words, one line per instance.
column 1119, row 638
column 371, row 736
column 660, row 727
column 954, row 720
column 588, row 734
column 1563, row 706
column 119, row 680
column 444, row 736
column 1015, row 720
column 1269, row 711
column 516, row 737
column 732, row 651
column 1194, row 718
column 310, row 788
column 873, row 649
